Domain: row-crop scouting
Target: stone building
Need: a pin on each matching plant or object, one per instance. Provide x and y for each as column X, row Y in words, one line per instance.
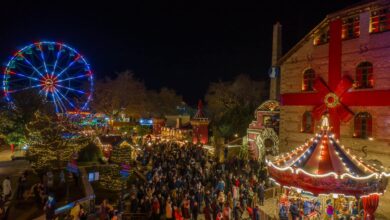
column 341, row 68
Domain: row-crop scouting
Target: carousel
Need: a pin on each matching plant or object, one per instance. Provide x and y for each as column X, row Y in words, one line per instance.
column 322, row 179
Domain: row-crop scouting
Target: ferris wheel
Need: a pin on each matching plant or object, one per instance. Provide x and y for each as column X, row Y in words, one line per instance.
column 56, row 71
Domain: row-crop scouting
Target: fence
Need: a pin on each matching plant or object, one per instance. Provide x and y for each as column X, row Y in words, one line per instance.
column 270, row 194
column 88, row 202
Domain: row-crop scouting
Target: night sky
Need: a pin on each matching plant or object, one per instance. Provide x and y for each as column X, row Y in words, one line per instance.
column 182, row 45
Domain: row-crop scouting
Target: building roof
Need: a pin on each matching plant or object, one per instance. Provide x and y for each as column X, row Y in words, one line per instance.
column 200, row 114
column 363, row 5
column 269, row 106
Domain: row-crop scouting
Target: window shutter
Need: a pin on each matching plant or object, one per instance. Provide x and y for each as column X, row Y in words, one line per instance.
column 388, row 21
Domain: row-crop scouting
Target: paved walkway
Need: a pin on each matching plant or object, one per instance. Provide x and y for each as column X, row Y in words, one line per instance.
column 270, row 207
column 5, row 155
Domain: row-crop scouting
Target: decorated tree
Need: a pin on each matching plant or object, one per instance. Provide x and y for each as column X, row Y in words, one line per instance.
column 121, row 154
column 110, row 178
column 53, row 141
column 14, row 116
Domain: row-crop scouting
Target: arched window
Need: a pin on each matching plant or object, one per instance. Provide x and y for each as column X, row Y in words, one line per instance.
column 363, row 125
column 307, row 122
column 364, row 76
column 308, row 80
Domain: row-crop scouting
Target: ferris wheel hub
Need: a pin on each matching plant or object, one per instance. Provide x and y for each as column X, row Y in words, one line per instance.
column 49, row 83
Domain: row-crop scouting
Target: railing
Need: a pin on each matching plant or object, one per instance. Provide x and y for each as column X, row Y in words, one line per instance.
column 88, row 202
column 270, row 193
column 265, row 216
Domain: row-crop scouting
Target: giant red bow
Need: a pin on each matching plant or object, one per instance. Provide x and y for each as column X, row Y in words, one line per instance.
column 333, row 102
column 336, row 96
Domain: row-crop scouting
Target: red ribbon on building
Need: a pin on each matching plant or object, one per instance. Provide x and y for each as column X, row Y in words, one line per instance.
column 336, row 96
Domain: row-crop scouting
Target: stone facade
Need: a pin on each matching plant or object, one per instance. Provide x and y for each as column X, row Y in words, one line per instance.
column 368, row 46
column 376, row 49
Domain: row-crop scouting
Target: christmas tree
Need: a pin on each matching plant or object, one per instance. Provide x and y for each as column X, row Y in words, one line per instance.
column 53, row 141
column 121, row 154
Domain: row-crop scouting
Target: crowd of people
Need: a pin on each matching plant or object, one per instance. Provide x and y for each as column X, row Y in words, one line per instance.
column 186, row 183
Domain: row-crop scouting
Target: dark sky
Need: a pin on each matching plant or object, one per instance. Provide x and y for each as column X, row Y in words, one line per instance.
column 182, row 45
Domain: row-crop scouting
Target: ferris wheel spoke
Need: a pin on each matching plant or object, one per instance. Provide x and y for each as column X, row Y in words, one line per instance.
column 43, row 59
column 23, row 89
column 62, row 104
column 54, row 101
column 67, row 67
column 55, row 63
column 72, row 78
column 29, row 77
column 34, row 68
column 71, row 89
column 64, row 97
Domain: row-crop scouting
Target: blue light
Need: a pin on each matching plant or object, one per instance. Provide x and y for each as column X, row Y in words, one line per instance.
column 147, row 122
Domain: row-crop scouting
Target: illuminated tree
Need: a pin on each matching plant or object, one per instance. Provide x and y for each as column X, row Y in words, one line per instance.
column 14, row 116
column 121, row 154
column 52, row 141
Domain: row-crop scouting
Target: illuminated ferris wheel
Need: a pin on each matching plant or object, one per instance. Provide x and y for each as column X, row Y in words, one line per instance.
column 54, row 70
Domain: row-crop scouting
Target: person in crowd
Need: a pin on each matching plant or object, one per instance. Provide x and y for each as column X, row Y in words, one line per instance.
column 168, row 209
column 261, row 192
column 50, row 179
column 104, row 210
column 294, row 210
column 83, row 213
column 155, row 209
column 49, row 208
column 7, row 190
column 283, row 212
column 184, row 182
column 75, row 211
column 22, row 186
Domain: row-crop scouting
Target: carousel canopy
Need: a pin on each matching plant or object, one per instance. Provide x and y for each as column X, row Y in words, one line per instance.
column 323, row 166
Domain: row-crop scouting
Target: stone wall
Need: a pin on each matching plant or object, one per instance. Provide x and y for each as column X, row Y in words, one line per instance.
column 316, row 57
column 375, row 49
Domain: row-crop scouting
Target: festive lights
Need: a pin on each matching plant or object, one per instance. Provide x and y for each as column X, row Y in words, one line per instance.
column 359, row 178
column 58, row 75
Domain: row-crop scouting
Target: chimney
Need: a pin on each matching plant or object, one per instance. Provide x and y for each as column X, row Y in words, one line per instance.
column 274, row 72
column 276, row 43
